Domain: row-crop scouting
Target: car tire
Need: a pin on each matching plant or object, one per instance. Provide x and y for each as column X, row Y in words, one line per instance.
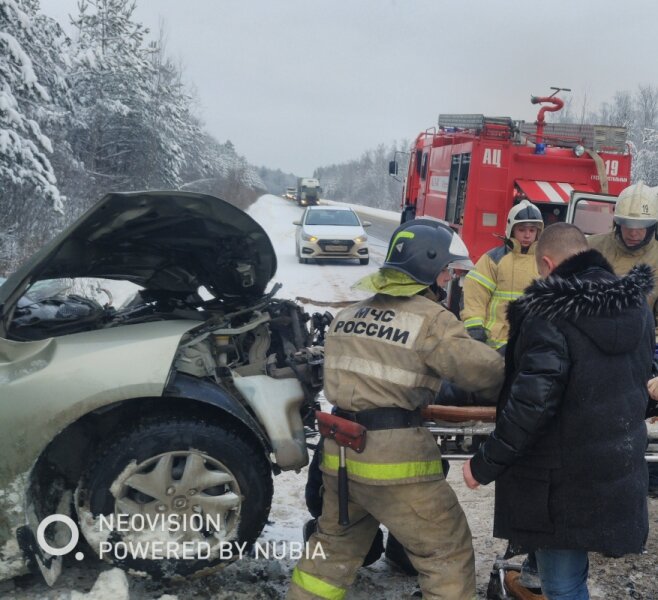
column 183, row 466
column 364, row 261
column 303, row 261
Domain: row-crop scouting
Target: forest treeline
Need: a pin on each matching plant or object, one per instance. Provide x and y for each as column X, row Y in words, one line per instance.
column 104, row 109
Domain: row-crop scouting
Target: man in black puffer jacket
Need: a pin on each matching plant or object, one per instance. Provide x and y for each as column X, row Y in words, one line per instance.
column 567, row 453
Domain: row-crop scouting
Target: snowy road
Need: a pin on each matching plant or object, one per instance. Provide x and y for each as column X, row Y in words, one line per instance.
column 314, row 284
column 380, row 229
column 260, row 579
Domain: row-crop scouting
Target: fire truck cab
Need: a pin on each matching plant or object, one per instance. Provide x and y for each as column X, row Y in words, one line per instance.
column 472, row 170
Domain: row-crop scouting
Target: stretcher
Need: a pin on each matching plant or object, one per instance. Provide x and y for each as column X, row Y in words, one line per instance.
column 459, row 430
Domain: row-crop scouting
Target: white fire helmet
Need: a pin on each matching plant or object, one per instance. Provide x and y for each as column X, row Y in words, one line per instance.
column 637, row 207
column 523, row 212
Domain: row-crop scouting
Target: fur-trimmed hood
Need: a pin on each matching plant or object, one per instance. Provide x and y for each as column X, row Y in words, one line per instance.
column 584, row 291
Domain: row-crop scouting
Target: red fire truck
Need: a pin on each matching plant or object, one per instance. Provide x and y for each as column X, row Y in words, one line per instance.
column 472, row 170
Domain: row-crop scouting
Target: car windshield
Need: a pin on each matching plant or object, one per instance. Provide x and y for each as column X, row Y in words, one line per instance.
column 332, row 217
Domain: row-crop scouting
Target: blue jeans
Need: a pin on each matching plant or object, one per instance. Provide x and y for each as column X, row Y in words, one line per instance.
column 653, row 477
column 563, row 574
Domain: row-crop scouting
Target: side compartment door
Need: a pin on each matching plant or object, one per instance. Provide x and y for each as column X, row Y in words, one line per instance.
column 457, row 190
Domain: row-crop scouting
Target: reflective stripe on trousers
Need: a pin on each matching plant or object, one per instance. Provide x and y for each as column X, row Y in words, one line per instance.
column 315, row 585
column 384, row 471
column 498, row 297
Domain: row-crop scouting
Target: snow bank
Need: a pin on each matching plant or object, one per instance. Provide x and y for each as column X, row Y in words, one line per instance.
column 110, row 585
column 376, row 212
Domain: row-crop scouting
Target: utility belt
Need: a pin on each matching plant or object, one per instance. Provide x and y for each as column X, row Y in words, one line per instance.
column 348, row 429
column 389, row 417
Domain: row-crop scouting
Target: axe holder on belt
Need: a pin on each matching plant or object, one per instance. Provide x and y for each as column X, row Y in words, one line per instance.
column 346, row 434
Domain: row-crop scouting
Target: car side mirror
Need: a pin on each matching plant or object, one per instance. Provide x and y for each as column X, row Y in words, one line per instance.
column 296, row 222
column 366, row 223
column 393, row 167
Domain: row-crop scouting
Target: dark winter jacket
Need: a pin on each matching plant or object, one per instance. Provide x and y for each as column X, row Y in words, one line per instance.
column 567, row 453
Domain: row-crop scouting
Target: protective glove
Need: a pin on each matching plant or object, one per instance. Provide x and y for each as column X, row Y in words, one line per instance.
column 478, row 333
column 450, row 394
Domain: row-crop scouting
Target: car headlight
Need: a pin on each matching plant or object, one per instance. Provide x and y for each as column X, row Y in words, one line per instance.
column 579, row 150
column 309, row 238
column 361, row 238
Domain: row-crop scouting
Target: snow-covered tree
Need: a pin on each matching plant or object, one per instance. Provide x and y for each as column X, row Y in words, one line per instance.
column 111, row 81
column 645, row 160
column 24, row 103
column 168, row 123
column 645, row 135
column 33, row 105
column 135, row 126
column 217, row 169
column 366, row 180
column 646, row 103
column 104, row 112
column 275, row 180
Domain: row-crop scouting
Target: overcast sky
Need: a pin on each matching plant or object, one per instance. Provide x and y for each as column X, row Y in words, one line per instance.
column 298, row 84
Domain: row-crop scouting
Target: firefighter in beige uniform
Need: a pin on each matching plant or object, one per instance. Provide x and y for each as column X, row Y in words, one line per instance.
column 385, row 357
column 633, row 239
column 501, row 275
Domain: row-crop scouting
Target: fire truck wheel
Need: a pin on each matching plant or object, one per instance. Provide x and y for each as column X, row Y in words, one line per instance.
column 408, row 214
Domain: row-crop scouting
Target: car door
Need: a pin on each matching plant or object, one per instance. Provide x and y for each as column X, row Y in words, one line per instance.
column 299, row 230
column 592, row 213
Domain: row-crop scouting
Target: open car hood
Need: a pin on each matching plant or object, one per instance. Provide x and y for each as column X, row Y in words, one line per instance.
column 169, row 240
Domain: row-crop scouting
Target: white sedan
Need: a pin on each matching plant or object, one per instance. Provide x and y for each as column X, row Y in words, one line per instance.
column 331, row 232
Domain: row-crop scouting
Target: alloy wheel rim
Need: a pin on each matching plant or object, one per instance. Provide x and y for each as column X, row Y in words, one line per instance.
column 196, row 489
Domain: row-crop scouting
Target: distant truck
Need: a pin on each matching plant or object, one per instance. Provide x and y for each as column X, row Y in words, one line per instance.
column 291, row 193
column 308, row 191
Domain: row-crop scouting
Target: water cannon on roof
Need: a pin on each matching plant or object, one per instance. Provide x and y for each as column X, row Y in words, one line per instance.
column 557, row 104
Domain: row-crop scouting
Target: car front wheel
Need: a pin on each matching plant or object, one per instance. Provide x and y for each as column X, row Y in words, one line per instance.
column 174, row 496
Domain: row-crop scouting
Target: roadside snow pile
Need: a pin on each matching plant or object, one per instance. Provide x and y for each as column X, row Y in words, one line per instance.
column 370, row 210
column 11, row 501
column 110, row 585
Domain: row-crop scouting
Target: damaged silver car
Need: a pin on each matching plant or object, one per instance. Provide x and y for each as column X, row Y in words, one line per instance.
column 147, row 377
